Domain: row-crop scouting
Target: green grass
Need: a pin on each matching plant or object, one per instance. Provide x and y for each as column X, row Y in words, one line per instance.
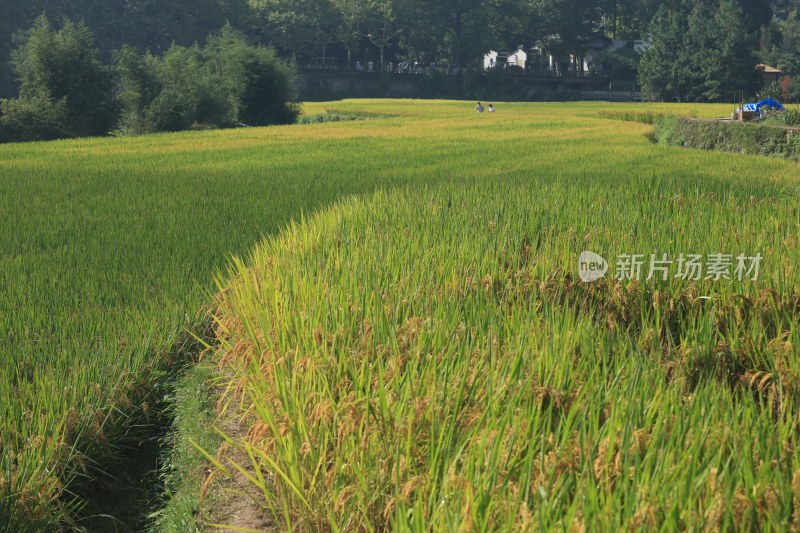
column 194, row 412
column 107, row 246
column 760, row 138
column 789, row 117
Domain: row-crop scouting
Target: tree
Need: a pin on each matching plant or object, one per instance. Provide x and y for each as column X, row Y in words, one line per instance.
column 733, row 56
column 257, row 83
column 569, row 24
column 298, row 25
column 506, row 23
column 781, row 44
column 756, row 14
column 191, row 96
column 137, row 86
column 421, row 38
column 628, row 19
column 228, row 81
column 700, row 48
column 382, row 24
column 350, row 30
column 37, row 118
column 620, row 64
column 702, row 55
column 663, row 69
column 64, row 67
column 455, row 30
column 11, row 16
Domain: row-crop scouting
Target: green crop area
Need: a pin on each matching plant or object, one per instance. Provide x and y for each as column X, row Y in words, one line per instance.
column 398, row 324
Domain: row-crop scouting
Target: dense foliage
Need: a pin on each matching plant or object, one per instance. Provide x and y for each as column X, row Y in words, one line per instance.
column 453, row 32
column 67, row 92
column 702, row 50
column 64, row 88
column 227, row 82
column 699, row 53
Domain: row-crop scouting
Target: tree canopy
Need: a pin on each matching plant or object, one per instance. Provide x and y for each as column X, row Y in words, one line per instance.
column 66, row 91
column 452, row 31
column 699, row 52
column 700, row 49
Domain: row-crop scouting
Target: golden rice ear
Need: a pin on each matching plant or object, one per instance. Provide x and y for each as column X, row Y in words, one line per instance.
column 211, row 475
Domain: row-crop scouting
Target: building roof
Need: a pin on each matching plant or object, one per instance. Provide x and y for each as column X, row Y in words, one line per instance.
column 761, row 67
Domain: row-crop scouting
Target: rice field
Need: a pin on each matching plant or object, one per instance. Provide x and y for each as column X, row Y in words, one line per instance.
column 399, row 318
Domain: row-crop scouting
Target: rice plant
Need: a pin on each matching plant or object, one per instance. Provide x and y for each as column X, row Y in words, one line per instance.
column 427, row 358
column 418, row 352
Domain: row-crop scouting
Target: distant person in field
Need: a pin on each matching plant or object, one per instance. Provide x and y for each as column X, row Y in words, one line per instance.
column 479, row 108
column 491, row 108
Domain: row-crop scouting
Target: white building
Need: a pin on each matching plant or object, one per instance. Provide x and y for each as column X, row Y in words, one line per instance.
column 518, row 58
column 537, row 59
column 495, row 59
column 490, row 60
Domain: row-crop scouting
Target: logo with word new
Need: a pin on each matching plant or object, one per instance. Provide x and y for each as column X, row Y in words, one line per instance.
column 715, row 266
column 591, row 267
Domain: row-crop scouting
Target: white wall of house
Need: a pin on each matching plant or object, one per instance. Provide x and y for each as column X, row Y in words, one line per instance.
column 489, row 59
column 518, row 58
column 590, row 58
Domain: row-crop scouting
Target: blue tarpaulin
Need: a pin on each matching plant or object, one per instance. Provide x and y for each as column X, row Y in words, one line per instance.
column 769, row 102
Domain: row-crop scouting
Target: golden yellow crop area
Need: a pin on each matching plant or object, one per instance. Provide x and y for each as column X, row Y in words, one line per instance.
column 108, row 250
column 429, row 357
